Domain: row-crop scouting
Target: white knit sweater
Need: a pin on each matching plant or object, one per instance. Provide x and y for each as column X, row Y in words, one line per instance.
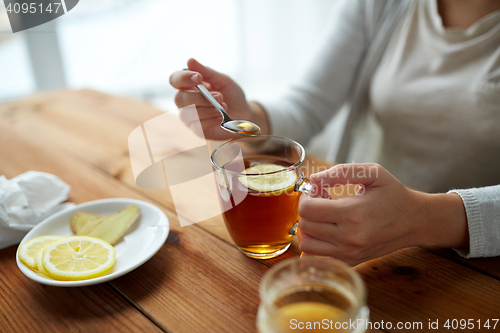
column 364, row 37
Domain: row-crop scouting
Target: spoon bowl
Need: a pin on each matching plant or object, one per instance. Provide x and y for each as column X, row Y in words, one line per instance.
column 240, row 127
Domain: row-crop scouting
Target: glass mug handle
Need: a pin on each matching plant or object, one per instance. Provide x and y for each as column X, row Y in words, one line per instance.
column 302, row 185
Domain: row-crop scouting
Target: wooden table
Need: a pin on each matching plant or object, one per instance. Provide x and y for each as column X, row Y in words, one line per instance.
column 198, row 281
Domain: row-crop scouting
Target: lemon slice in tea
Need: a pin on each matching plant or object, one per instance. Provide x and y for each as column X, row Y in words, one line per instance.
column 261, row 179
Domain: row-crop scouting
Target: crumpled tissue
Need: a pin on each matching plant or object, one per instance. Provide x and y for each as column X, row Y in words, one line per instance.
column 26, row 200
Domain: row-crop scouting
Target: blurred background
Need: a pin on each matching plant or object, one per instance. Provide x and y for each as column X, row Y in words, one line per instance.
column 130, row 48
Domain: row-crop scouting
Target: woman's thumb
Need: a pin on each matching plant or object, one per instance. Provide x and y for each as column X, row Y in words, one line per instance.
column 351, row 173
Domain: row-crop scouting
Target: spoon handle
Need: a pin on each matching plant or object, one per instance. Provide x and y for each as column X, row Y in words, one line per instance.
column 204, row 91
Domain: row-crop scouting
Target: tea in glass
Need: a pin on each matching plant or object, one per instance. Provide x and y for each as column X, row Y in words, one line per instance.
column 257, row 180
column 260, row 223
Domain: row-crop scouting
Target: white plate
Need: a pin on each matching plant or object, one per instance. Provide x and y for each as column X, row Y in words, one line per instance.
column 137, row 247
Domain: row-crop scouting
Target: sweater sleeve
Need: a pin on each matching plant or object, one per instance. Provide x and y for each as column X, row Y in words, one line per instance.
column 482, row 206
column 309, row 105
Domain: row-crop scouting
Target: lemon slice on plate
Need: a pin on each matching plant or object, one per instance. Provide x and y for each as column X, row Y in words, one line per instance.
column 78, row 258
column 38, row 261
column 27, row 251
column 259, row 178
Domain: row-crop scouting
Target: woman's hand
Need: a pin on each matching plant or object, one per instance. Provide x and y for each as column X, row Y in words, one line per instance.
column 382, row 217
column 225, row 91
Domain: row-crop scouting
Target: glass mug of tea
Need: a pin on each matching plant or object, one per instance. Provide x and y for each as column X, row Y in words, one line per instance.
column 260, row 182
column 312, row 294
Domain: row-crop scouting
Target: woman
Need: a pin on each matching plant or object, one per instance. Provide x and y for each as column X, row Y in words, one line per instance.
column 429, row 71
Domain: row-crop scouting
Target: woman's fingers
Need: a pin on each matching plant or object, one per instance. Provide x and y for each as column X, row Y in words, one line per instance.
column 210, row 129
column 314, row 246
column 324, row 210
column 328, row 232
column 188, row 97
column 207, row 125
column 204, row 129
column 200, row 114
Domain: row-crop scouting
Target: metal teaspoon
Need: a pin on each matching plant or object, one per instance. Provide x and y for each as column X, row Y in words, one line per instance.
column 241, row 127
